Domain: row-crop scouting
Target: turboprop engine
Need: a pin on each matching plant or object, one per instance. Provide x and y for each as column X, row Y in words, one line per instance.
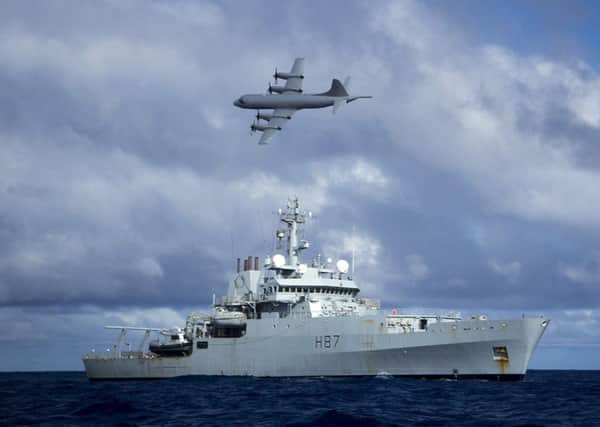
column 262, row 116
column 282, row 89
column 269, row 117
column 255, row 126
column 285, row 76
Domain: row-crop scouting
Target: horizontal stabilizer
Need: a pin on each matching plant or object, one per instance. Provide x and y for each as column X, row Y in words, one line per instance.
column 354, row 98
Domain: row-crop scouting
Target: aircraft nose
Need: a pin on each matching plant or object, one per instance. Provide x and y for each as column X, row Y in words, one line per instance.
column 237, row 103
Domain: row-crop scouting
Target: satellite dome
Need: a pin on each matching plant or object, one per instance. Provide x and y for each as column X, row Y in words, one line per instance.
column 278, row 260
column 342, row 266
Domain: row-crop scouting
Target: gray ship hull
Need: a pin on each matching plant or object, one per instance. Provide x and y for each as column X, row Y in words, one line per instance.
column 343, row 346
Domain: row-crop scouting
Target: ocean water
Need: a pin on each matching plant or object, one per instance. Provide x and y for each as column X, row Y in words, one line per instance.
column 545, row 398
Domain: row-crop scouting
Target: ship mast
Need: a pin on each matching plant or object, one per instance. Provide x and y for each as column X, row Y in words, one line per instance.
column 292, row 217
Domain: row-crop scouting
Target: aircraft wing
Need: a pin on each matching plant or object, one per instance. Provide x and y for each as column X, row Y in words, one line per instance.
column 280, row 117
column 298, row 70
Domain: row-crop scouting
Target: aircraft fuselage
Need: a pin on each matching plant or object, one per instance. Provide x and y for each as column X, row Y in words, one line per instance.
column 291, row 101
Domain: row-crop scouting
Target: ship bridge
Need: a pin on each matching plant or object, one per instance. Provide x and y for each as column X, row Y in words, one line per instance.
column 282, row 283
column 323, row 285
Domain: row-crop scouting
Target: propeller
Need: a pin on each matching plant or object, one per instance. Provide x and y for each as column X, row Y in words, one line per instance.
column 270, row 89
column 275, row 75
column 252, row 128
column 257, row 114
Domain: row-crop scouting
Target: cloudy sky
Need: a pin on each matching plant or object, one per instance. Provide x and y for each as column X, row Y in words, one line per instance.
column 129, row 182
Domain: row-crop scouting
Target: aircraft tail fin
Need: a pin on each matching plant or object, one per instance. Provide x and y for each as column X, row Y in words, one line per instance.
column 337, row 89
column 341, row 90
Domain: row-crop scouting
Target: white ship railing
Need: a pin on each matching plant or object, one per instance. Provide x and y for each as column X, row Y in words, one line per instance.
column 116, row 351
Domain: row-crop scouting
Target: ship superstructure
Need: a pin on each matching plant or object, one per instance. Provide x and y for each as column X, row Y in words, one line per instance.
column 291, row 318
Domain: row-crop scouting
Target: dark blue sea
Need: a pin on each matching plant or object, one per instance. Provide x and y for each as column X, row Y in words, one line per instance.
column 545, row 398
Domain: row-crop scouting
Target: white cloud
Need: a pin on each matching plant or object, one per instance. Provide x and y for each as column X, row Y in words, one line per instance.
column 149, row 267
column 573, row 328
column 346, row 243
column 154, row 317
column 365, row 250
column 586, row 272
column 322, row 179
column 358, row 172
column 480, row 112
column 204, row 14
column 100, row 208
column 414, row 268
column 509, row 270
column 104, row 65
column 214, row 118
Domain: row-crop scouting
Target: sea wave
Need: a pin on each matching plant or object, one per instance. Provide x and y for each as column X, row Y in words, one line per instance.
column 545, row 398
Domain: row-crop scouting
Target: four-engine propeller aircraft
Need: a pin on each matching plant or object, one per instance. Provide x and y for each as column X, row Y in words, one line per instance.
column 289, row 98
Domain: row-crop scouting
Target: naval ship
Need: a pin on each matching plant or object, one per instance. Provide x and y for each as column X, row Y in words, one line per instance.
column 289, row 318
